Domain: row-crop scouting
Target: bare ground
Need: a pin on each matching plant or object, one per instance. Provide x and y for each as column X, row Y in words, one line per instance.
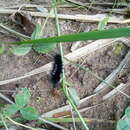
column 102, row 63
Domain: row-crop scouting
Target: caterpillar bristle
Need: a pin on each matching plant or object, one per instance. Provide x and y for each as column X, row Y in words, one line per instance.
column 56, row 70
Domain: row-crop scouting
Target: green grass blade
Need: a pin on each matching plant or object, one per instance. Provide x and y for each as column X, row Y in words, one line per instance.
column 63, row 74
column 102, row 24
column 69, row 119
column 93, row 35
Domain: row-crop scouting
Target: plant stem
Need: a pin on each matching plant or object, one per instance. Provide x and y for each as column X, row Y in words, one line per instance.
column 53, row 124
column 14, row 32
column 99, row 78
column 19, row 124
column 63, row 74
column 6, row 127
column 68, row 120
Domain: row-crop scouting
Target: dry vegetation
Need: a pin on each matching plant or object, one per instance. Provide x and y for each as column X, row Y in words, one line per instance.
column 97, row 69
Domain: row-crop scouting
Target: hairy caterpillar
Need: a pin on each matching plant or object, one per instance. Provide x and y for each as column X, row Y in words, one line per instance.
column 56, row 70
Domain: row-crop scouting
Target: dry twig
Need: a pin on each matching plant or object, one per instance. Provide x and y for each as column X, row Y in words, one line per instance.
column 83, row 51
column 115, row 91
column 78, row 17
column 114, row 75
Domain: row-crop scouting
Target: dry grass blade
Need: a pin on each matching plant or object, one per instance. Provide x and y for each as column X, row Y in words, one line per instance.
column 68, row 5
column 89, row 120
column 14, row 32
column 118, row 11
column 114, row 75
column 53, row 124
column 115, row 91
column 78, row 17
column 90, row 48
column 6, row 98
column 83, row 51
column 66, row 108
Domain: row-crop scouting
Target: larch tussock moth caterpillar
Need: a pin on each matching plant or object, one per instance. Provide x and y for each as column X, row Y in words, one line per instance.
column 56, row 70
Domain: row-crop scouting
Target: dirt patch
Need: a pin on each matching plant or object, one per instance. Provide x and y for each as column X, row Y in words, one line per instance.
column 102, row 63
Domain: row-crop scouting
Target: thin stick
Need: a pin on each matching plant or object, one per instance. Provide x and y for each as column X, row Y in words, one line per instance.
column 118, row 11
column 14, row 32
column 5, row 125
column 114, row 75
column 16, row 123
column 6, row 98
column 73, row 119
column 67, row 107
column 97, row 3
column 83, row 51
column 99, row 78
column 66, row 5
column 79, row 17
column 119, row 88
column 53, row 124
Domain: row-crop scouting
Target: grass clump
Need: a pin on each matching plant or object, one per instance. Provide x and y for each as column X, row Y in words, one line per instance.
column 8, row 113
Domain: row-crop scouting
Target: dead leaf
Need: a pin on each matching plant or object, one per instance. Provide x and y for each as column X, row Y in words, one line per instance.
column 24, row 21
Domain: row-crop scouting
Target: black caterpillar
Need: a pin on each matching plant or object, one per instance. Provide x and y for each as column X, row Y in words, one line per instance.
column 56, row 70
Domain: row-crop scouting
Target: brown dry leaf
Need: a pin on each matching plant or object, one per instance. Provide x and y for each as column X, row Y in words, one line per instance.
column 62, row 114
column 24, row 21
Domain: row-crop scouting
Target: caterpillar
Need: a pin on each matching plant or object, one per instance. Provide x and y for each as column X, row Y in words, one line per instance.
column 56, row 69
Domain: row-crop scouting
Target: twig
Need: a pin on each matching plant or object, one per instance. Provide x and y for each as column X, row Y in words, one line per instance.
column 115, row 91
column 67, row 107
column 90, row 48
column 83, row 51
column 66, row 5
column 79, row 17
column 36, row 6
column 16, row 123
column 13, row 127
column 73, row 118
column 95, row 75
column 114, row 75
column 118, row 11
column 97, row 3
column 6, row 98
column 14, row 32
column 5, row 125
column 53, row 124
